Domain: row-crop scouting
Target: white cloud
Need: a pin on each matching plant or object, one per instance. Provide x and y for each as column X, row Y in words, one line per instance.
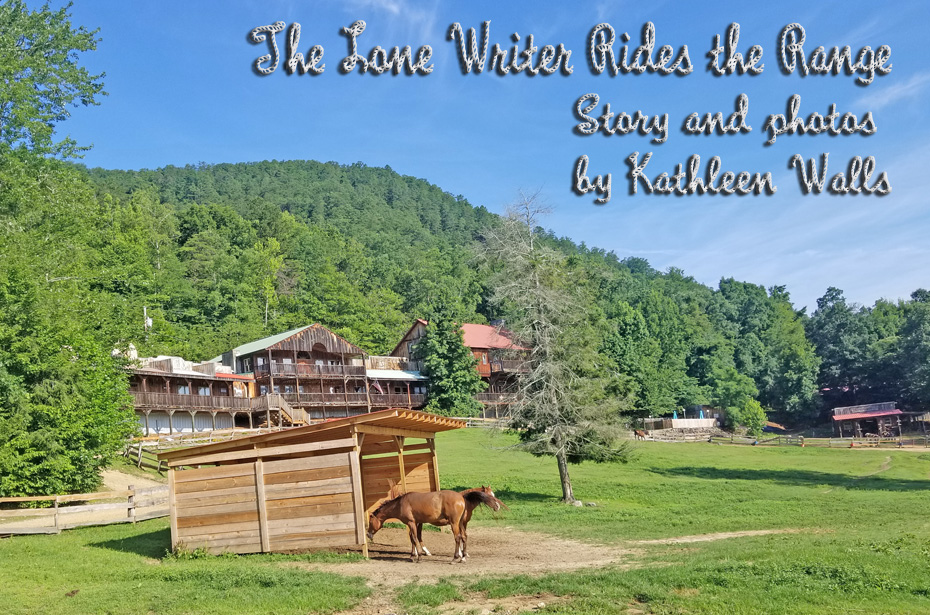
column 893, row 93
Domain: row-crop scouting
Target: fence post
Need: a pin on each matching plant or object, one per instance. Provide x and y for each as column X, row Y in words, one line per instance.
column 132, row 502
column 139, row 459
column 57, row 529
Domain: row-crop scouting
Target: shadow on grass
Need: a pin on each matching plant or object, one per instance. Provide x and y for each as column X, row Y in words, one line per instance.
column 799, row 478
column 152, row 544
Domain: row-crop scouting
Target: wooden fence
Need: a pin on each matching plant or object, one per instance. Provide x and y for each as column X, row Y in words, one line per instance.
column 75, row 510
column 922, row 441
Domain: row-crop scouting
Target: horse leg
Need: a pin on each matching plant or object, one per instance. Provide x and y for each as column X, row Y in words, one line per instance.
column 464, row 539
column 420, row 539
column 414, row 543
column 459, row 541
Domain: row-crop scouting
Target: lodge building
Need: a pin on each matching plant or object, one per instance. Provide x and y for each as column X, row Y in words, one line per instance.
column 302, row 376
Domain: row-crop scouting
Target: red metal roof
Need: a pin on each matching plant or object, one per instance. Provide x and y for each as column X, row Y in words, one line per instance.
column 486, row 336
column 865, row 415
column 236, row 376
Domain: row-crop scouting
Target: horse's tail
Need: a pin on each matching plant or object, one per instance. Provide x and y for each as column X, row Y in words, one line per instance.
column 475, row 498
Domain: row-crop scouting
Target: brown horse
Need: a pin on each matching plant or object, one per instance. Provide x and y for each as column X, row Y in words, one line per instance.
column 437, row 508
column 640, row 434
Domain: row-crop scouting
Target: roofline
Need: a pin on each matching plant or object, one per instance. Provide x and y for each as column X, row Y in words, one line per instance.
column 300, row 331
column 412, row 327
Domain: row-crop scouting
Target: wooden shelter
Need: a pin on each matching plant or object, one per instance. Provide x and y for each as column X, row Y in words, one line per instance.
column 300, row 488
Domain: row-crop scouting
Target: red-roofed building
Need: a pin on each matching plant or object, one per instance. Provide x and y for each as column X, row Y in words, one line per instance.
column 496, row 353
column 881, row 419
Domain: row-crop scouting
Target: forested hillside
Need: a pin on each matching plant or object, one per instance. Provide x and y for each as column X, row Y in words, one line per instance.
column 220, row 255
column 230, row 252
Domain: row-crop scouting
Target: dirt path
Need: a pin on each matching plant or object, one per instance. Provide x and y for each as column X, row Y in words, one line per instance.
column 490, row 551
column 114, row 480
column 711, row 537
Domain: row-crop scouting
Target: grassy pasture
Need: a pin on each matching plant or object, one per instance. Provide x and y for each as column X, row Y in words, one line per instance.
column 863, row 544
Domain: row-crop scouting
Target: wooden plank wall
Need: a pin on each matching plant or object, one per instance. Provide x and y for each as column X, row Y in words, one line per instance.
column 250, row 507
column 380, row 473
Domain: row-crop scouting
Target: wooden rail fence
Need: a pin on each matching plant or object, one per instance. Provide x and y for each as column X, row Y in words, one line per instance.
column 909, row 441
column 74, row 510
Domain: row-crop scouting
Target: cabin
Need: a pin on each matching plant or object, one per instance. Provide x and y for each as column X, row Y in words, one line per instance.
column 499, row 361
column 300, row 488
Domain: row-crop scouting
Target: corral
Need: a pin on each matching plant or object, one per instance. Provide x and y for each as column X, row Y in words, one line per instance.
column 300, row 488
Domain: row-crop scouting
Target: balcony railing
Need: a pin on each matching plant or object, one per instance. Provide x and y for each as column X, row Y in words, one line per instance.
column 509, row 366
column 309, row 370
column 865, row 409
column 325, row 399
column 194, row 402
column 391, row 400
column 496, row 398
column 376, row 362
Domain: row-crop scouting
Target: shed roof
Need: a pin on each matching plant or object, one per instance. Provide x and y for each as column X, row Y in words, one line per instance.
column 412, row 423
column 865, row 415
column 474, row 336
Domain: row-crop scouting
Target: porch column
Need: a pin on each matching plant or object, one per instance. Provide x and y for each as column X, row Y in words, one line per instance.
column 270, row 373
column 296, row 378
column 399, row 441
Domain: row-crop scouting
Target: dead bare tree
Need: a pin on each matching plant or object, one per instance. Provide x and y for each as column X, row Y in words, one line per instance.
column 563, row 408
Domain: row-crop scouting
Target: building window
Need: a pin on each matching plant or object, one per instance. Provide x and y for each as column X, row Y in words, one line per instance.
column 183, row 389
column 224, row 391
column 203, row 390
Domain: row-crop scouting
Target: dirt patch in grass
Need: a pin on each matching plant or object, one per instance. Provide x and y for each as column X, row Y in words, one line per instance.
column 500, row 606
column 498, row 551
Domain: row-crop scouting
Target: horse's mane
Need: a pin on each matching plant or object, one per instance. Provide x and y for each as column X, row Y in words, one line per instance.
column 387, row 503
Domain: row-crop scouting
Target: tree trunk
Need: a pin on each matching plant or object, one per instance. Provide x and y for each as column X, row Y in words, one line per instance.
column 567, row 496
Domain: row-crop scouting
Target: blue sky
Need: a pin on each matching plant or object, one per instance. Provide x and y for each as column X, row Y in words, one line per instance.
column 182, row 91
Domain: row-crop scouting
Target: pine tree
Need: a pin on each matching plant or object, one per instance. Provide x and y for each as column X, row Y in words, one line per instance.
column 564, row 405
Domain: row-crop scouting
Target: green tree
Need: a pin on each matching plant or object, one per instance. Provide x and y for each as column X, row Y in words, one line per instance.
column 564, row 408
column 41, row 77
column 450, row 366
column 752, row 416
column 840, row 334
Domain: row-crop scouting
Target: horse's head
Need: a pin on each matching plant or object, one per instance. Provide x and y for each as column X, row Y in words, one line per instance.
column 374, row 524
column 487, row 489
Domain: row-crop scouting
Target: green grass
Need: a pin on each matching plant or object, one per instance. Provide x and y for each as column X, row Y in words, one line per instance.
column 123, row 569
column 864, row 548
